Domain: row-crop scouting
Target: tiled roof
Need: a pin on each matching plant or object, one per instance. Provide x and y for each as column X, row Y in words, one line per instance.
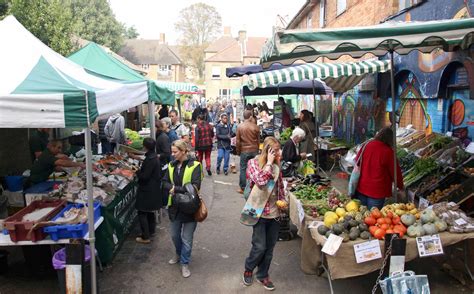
column 149, row 52
column 254, row 46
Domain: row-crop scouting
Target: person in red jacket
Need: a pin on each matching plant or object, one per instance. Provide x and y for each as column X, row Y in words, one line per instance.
column 376, row 171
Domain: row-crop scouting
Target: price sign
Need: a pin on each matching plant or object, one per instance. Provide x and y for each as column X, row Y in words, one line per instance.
column 423, row 203
column 429, row 245
column 299, row 206
column 367, row 251
column 332, row 244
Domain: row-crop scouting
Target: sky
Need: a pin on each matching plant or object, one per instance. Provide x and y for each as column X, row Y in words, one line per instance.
column 152, row 17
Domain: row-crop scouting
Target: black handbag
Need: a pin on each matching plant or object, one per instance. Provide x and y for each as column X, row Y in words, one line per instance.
column 188, row 202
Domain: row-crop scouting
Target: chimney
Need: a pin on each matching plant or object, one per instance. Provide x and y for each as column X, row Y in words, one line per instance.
column 242, row 36
column 162, row 38
column 227, row 31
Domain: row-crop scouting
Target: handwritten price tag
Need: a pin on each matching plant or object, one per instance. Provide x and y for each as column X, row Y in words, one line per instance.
column 367, row 251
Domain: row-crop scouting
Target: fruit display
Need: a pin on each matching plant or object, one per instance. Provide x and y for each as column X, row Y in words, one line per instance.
column 469, row 171
column 438, row 194
column 345, row 226
column 386, row 222
column 318, row 199
column 428, row 224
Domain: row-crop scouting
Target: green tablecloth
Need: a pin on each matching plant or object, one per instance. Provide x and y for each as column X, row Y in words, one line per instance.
column 119, row 217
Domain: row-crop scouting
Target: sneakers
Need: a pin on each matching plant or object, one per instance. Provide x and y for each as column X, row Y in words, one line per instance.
column 248, row 278
column 142, row 241
column 185, row 271
column 174, row 260
column 267, row 284
column 226, row 173
column 209, row 172
column 218, row 171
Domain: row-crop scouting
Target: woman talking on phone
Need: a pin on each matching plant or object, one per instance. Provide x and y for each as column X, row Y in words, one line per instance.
column 260, row 172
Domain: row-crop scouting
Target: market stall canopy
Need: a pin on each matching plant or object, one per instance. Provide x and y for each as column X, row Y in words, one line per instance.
column 41, row 88
column 289, row 46
column 97, row 61
column 180, row 88
column 297, row 87
column 340, row 77
column 239, row 71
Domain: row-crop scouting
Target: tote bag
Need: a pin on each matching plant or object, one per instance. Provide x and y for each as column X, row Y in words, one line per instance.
column 355, row 175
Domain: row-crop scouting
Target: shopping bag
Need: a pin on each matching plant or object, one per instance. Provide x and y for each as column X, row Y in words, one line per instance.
column 355, row 175
column 405, row 283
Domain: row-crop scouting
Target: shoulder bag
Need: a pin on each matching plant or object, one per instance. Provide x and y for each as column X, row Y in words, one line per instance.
column 355, row 175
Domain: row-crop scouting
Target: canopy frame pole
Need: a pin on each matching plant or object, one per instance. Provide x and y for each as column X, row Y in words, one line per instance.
column 316, row 120
column 394, row 123
column 90, row 198
column 151, row 114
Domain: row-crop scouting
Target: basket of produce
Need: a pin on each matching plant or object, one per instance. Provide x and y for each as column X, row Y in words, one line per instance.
column 23, row 225
column 446, row 189
column 71, row 222
column 421, row 168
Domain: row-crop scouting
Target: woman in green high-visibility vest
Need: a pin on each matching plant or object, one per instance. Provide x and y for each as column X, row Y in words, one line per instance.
column 181, row 171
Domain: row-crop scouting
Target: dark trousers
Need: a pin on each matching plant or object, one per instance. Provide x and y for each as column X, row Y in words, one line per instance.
column 264, row 238
column 106, row 148
column 147, row 223
column 244, row 158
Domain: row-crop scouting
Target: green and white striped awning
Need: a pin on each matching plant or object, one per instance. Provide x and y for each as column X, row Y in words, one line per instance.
column 289, row 46
column 179, row 87
column 39, row 88
column 338, row 76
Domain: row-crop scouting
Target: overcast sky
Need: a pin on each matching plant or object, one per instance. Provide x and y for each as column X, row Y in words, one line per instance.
column 152, row 17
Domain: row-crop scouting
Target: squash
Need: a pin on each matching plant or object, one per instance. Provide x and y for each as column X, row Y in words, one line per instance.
column 322, row 230
column 341, row 212
column 427, row 216
column 430, row 229
column 363, row 227
column 365, row 235
column 408, row 219
column 327, row 234
column 415, row 230
column 345, row 237
column 354, row 234
column 379, row 234
column 337, row 229
column 441, row 225
column 353, row 223
column 375, row 212
column 352, row 206
column 370, row 221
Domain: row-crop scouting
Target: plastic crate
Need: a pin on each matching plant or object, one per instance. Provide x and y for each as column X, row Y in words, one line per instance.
column 71, row 231
column 20, row 230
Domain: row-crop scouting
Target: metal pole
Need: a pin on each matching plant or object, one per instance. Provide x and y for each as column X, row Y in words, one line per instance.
column 179, row 108
column 90, row 208
column 394, row 125
column 151, row 115
column 317, row 125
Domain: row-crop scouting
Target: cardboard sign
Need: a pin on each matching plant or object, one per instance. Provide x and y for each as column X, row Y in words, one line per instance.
column 299, row 206
column 429, row 245
column 332, row 244
column 367, row 251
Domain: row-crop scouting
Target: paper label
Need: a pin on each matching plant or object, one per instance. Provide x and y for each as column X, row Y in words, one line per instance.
column 299, row 206
column 460, row 222
column 332, row 244
column 397, row 264
column 367, row 251
column 423, row 203
column 429, row 245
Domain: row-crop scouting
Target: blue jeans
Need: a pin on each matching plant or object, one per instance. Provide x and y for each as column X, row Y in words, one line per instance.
column 369, row 201
column 182, row 235
column 223, row 153
column 244, row 158
column 264, row 238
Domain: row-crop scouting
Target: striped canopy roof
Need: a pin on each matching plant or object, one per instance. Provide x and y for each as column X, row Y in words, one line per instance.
column 338, row 76
column 289, row 46
column 179, row 87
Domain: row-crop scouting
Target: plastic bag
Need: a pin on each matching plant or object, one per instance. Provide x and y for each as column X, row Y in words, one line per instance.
column 405, row 283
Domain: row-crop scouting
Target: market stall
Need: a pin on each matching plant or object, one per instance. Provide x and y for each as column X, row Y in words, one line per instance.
column 48, row 90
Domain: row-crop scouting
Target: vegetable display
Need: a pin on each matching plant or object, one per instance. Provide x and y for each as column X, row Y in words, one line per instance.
column 422, row 168
column 135, row 141
column 286, row 134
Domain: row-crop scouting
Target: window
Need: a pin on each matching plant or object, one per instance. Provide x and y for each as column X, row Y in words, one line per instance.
column 322, row 13
column 225, row 93
column 216, row 72
column 341, row 7
column 145, row 66
column 164, row 69
column 404, row 4
column 309, row 20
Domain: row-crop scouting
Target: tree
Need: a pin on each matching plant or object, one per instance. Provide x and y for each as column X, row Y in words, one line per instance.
column 198, row 25
column 50, row 21
column 96, row 22
column 130, row 33
column 4, row 7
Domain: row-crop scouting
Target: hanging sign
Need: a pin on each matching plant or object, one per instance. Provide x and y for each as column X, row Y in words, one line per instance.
column 277, row 114
column 429, row 245
column 367, row 251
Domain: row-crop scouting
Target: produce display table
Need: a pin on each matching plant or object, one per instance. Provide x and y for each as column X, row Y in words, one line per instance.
column 119, row 217
column 343, row 264
column 6, row 241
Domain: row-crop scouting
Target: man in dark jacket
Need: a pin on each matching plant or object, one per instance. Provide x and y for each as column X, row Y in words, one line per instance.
column 204, row 135
column 223, row 134
column 102, row 136
column 163, row 145
column 149, row 190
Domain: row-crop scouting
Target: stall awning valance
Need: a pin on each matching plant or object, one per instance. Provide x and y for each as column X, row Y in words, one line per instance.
column 289, row 46
column 178, row 87
column 338, row 76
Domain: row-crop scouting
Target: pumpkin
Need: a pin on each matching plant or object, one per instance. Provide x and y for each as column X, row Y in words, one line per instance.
column 399, row 232
column 390, row 214
column 365, row 235
column 337, row 229
column 363, row 227
column 430, row 229
column 427, row 216
column 388, row 220
column 396, row 220
column 390, row 231
column 322, row 230
column 408, row 219
column 401, row 228
column 372, row 229
column 385, row 226
column 441, row 225
column 381, row 221
column 415, row 230
column 379, row 234
column 370, row 221
column 375, row 212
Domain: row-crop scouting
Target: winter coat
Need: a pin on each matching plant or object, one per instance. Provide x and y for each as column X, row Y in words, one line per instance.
column 149, row 184
column 101, row 123
column 307, row 145
column 223, row 134
column 163, row 147
column 115, row 129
